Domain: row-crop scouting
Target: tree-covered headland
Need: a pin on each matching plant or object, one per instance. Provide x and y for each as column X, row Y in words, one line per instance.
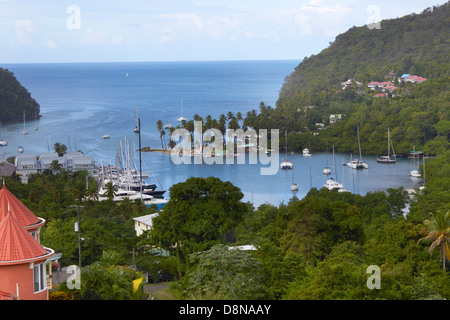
column 15, row 100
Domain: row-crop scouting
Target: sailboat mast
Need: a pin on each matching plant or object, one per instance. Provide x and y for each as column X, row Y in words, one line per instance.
column 334, row 166
column 140, row 157
column 285, row 135
column 389, row 146
column 359, row 143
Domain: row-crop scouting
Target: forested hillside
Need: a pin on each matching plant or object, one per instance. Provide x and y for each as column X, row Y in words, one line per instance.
column 15, row 99
column 416, row 113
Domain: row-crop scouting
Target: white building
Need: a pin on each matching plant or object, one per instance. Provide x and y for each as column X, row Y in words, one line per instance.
column 72, row 161
column 144, row 223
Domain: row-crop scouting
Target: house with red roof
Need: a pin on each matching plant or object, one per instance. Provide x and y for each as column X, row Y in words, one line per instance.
column 23, row 260
column 373, row 85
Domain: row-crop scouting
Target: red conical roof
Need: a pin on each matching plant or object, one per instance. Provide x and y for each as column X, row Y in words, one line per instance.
column 16, row 243
column 17, row 209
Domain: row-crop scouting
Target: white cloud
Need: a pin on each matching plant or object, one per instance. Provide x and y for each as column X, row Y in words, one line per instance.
column 166, row 36
column 24, row 28
column 50, row 44
column 190, row 21
column 100, row 37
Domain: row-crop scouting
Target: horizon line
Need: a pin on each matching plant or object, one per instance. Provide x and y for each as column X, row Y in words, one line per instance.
column 154, row 61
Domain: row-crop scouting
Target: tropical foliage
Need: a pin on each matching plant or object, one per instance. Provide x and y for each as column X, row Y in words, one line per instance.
column 15, row 99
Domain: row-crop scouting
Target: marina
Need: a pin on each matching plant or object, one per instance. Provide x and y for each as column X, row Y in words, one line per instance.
column 92, row 107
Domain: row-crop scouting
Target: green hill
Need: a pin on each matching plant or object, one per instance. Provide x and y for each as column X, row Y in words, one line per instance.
column 417, row 114
column 415, row 44
column 15, row 99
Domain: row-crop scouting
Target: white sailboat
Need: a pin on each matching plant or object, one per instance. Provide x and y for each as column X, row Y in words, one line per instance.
column 182, row 118
column 389, row 158
column 25, row 131
column 306, row 152
column 331, row 183
column 286, row 164
column 358, row 163
column 3, row 142
column 136, row 128
column 415, row 172
column 294, row 186
column 35, row 123
column 327, row 170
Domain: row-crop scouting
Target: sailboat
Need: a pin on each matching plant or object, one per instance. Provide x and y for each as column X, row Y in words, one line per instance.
column 306, row 152
column 136, row 128
column 415, row 172
column 357, row 163
column 35, row 124
column 286, row 164
column 327, row 170
column 331, row 183
column 294, row 186
column 182, row 118
column 3, row 142
column 25, row 131
column 389, row 158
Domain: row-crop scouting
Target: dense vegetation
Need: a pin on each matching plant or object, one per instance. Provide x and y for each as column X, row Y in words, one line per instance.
column 15, row 99
column 318, row 247
column 416, row 114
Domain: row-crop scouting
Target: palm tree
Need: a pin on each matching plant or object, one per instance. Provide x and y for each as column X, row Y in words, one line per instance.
column 159, row 126
column 111, row 190
column 163, row 134
column 439, row 232
column 239, row 118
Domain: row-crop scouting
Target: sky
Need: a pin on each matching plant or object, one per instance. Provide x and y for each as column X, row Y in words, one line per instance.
column 42, row 31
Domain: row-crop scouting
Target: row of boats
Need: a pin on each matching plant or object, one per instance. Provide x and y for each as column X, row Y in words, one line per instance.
column 357, row 163
column 127, row 181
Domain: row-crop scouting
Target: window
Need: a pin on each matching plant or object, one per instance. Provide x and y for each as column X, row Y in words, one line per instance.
column 39, row 277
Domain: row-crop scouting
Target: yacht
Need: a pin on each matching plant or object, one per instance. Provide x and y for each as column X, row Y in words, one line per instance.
column 3, row 142
column 389, row 158
column 182, row 118
column 415, row 155
column 136, row 128
column 25, row 131
column 106, row 136
column 286, row 164
column 35, row 124
column 358, row 163
column 415, row 173
column 333, row 184
column 306, row 152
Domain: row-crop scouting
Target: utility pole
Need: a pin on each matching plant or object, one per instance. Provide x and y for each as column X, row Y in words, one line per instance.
column 78, row 229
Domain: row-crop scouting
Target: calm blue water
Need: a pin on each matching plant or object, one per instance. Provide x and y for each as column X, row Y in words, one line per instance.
column 82, row 102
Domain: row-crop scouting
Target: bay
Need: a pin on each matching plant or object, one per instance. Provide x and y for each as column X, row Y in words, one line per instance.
column 81, row 102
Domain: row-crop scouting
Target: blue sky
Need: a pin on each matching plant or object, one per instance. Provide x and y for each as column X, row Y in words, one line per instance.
column 182, row 30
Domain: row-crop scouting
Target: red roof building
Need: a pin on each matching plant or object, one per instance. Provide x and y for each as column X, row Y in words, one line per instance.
column 23, row 260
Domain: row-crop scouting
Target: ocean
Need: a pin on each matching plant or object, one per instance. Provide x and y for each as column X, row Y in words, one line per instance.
column 80, row 102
